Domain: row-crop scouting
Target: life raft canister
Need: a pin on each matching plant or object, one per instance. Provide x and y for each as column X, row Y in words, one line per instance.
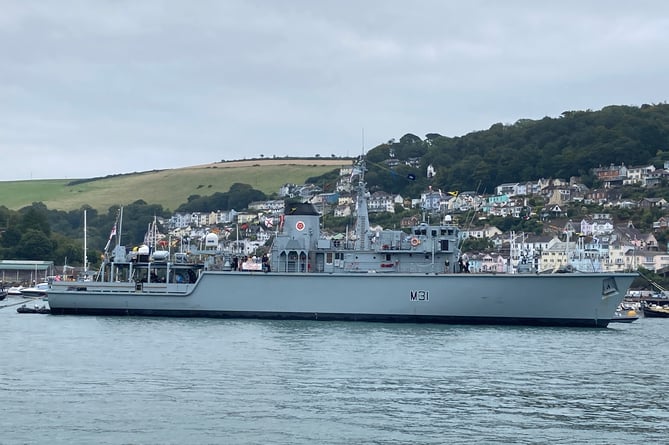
column 415, row 242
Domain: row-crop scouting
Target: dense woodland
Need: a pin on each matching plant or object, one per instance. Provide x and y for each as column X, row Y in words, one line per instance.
column 563, row 147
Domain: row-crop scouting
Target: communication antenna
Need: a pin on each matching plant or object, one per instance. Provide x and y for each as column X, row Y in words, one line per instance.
column 363, row 141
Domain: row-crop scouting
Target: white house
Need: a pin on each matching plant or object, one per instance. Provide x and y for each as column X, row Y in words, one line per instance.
column 381, row 202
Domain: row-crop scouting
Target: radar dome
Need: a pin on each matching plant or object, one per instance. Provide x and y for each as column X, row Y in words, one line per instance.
column 211, row 240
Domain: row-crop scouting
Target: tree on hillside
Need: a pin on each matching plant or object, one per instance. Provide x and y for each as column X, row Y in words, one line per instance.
column 34, row 245
column 472, row 244
column 241, row 195
column 34, row 217
column 68, row 251
column 237, row 197
column 10, row 237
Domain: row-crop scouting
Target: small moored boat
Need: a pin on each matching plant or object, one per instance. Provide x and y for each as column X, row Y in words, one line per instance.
column 24, row 309
column 39, row 290
column 14, row 290
column 625, row 316
column 655, row 311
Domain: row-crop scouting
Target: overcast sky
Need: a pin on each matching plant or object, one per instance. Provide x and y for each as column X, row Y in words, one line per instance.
column 92, row 87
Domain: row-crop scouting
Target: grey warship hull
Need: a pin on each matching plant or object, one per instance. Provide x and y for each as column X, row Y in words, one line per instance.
column 579, row 299
column 416, row 275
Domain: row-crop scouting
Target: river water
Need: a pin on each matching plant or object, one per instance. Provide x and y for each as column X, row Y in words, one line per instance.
column 134, row 380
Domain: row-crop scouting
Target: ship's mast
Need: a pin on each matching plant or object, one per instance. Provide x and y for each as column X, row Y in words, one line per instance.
column 85, row 247
column 120, row 226
column 115, row 231
column 362, row 217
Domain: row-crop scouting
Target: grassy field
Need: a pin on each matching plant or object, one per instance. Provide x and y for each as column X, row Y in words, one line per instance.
column 170, row 188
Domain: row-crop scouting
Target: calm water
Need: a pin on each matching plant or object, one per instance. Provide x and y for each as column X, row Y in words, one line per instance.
column 107, row 380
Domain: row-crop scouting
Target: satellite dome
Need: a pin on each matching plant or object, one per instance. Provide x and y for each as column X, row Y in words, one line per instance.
column 211, row 240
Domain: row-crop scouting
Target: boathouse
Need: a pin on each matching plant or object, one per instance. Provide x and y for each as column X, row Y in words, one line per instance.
column 25, row 272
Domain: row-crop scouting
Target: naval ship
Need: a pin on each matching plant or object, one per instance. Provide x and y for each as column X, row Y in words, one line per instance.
column 377, row 276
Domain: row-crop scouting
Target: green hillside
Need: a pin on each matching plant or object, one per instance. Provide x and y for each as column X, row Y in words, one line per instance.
column 562, row 147
column 169, row 188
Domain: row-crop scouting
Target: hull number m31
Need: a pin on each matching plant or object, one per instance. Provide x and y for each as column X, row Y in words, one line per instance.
column 419, row 295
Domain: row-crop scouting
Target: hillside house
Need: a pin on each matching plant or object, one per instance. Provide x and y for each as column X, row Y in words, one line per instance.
column 597, row 224
column 486, row 231
column 654, row 179
column 661, row 224
column 599, row 196
column 611, row 176
column 344, row 182
column 554, row 211
column 246, row 217
column 275, row 206
column 430, row 201
column 179, row 220
column 648, row 203
column 343, row 211
column 557, row 194
column 413, row 162
column 508, row 189
column 409, row 221
column 381, row 202
column 304, row 191
column 637, row 175
column 556, row 256
column 489, row 262
column 631, row 236
column 651, row 260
